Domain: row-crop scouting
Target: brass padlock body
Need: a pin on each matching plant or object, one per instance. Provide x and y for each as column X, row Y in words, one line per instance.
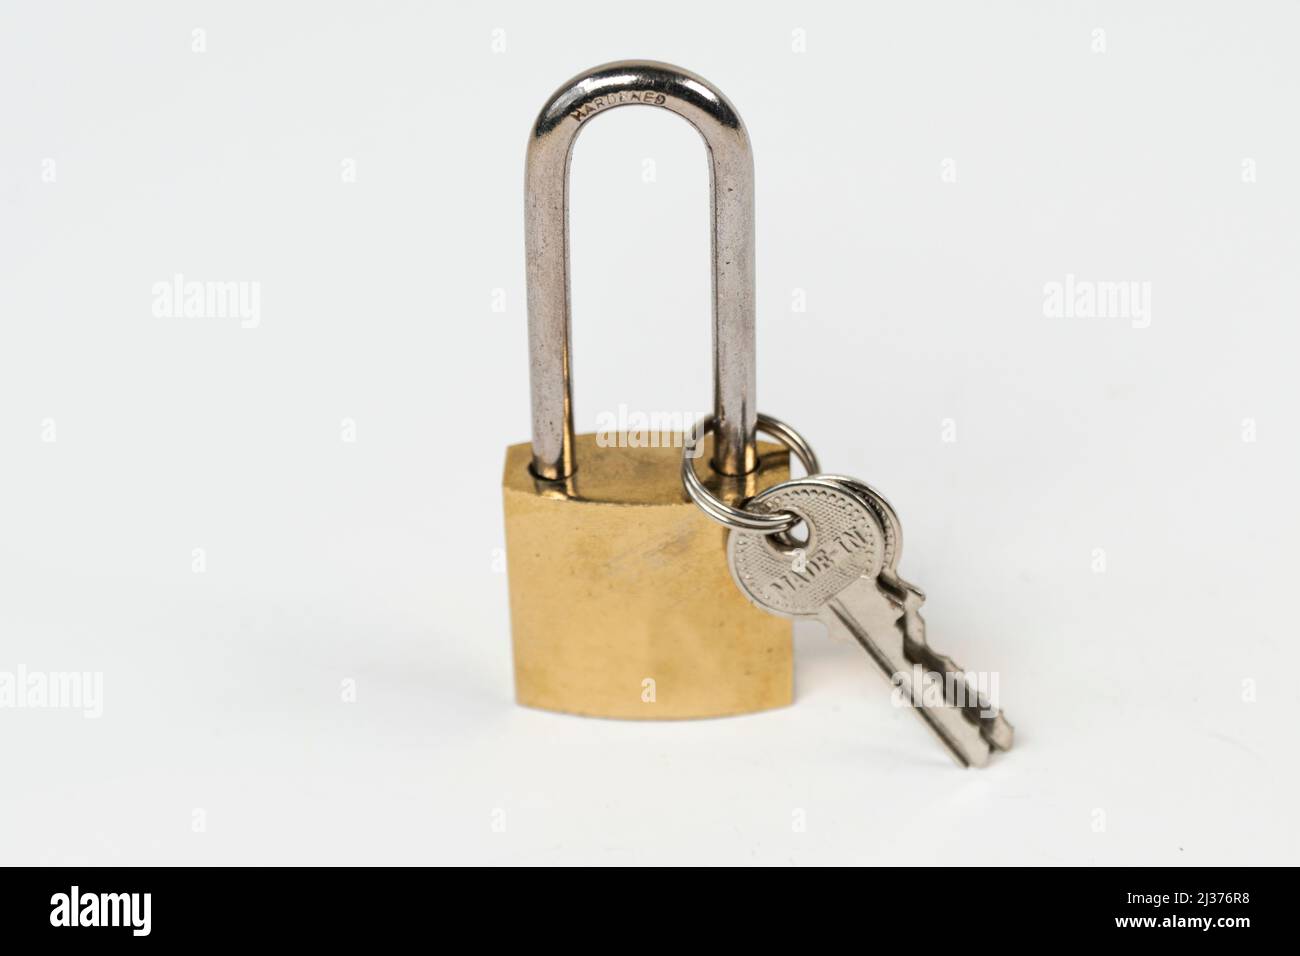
column 621, row 602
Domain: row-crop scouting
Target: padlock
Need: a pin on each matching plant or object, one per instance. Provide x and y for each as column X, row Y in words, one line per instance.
column 621, row 602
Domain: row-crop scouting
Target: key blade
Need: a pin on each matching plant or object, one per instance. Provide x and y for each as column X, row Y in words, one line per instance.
column 996, row 729
column 872, row 619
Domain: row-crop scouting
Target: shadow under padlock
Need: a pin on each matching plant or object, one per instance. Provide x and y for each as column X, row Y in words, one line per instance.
column 621, row 601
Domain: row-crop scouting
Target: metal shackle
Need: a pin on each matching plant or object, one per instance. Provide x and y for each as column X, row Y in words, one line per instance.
column 546, row 224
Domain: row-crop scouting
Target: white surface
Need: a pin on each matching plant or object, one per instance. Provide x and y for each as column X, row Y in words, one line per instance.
column 375, row 561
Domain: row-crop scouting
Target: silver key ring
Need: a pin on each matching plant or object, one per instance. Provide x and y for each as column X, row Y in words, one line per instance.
column 732, row 517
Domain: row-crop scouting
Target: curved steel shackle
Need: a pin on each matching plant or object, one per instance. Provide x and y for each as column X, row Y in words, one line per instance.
column 546, row 197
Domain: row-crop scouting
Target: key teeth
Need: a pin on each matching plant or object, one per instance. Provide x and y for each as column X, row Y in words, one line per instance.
column 995, row 730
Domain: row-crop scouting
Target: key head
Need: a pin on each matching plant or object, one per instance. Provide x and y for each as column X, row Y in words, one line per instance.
column 797, row 578
column 884, row 512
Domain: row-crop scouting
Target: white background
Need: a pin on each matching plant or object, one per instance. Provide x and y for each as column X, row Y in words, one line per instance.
column 1154, row 700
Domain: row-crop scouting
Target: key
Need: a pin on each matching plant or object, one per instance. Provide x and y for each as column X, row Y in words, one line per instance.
column 995, row 728
column 845, row 576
